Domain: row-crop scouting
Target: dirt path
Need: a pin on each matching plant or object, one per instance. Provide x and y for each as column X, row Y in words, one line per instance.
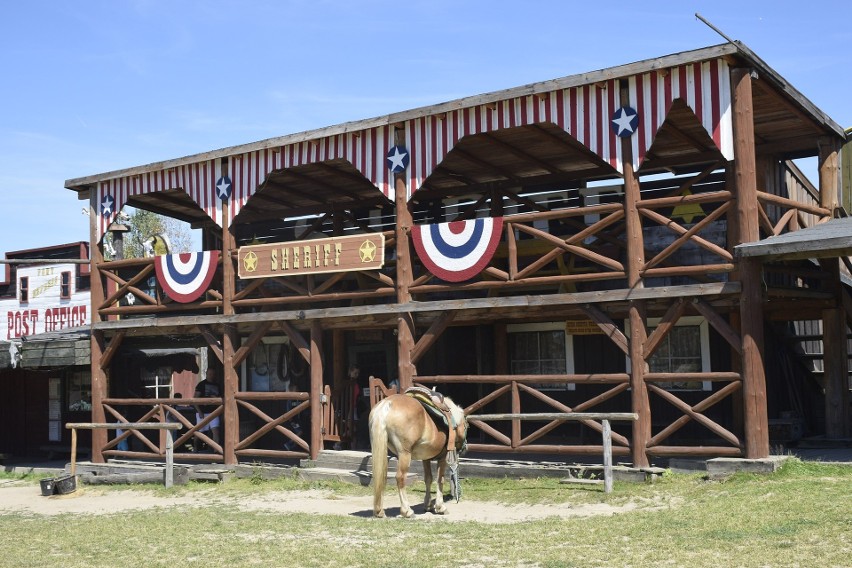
column 27, row 498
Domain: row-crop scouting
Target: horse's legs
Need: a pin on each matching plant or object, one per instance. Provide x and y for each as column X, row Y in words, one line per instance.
column 427, row 478
column 440, row 507
column 404, row 462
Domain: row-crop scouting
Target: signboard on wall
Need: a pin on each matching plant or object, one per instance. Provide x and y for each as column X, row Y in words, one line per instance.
column 297, row 258
column 46, row 299
column 582, row 327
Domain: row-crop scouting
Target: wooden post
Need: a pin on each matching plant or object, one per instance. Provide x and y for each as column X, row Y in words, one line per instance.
column 169, row 478
column 636, row 309
column 404, row 278
column 230, row 341
column 751, row 301
column 73, row 452
column 316, row 389
column 339, row 366
column 835, row 355
column 607, row 455
column 100, row 377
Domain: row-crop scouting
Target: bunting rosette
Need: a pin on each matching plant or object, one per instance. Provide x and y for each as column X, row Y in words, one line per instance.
column 186, row 276
column 458, row 250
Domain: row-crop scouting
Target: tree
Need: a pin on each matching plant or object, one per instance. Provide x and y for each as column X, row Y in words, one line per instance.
column 145, row 225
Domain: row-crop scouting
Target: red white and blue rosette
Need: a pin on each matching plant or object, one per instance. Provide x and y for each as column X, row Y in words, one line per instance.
column 458, row 250
column 186, row 276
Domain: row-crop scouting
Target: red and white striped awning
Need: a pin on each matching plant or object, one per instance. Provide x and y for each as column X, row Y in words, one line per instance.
column 585, row 112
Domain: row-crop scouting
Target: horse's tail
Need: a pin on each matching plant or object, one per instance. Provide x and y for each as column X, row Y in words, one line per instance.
column 379, row 448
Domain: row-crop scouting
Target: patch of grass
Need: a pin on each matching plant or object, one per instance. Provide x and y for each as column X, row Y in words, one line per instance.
column 797, row 516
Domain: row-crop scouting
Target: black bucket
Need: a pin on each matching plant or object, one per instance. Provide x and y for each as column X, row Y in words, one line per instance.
column 48, row 486
column 66, row 484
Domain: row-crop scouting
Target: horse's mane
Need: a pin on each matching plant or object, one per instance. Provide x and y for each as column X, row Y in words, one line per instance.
column 455, row 411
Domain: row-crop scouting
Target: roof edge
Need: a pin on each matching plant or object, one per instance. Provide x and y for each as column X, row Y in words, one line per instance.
column 736, row 48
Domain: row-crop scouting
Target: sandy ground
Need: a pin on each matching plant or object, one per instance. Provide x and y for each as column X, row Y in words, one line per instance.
column 27, row 498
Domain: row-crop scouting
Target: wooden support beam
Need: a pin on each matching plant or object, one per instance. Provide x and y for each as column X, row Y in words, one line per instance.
column 636, row 309
column 608, row 326
column 251, row 342
column 111, row 350
column 431, row 336
column 671, row 317
column 719, row 324
column 296, row 340
column 213, row 342
column 751, row 304
column 404, row 279
column 835, row 343
column 316, row 389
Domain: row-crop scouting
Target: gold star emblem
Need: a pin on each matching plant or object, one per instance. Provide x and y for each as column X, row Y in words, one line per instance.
column 250, row 262
column 367, row 251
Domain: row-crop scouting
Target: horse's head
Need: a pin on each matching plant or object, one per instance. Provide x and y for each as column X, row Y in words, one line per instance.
column 459, row 424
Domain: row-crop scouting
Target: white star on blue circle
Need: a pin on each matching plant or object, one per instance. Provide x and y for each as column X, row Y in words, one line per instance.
column 398, row 159
column 624, row 121
column 107, row 204
column 223, row 188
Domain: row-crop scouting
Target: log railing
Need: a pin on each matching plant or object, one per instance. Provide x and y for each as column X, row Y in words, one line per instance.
column 162, row 411
column 282, row 419
column 604, row 417
column 292, row 434
column 649, row 208
column 513, row 386
column 168, row 474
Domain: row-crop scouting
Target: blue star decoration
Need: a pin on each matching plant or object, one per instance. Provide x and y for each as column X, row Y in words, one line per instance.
column 107, row 204
column 223, row 188
column 624, row 121
column 398, row 159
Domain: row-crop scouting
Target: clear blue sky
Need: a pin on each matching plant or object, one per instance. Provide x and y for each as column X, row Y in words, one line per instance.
column 94, row 86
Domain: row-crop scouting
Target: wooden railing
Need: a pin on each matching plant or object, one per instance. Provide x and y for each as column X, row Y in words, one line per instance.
column 604, row 417
column 513, row 386
column 161, row 411
column 168, row 474
column 284, row 421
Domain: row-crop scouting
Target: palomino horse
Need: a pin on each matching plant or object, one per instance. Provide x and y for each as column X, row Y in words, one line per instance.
column 399, row 423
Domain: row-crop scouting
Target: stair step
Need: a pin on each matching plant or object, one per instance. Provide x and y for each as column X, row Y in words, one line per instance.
column 356, row 477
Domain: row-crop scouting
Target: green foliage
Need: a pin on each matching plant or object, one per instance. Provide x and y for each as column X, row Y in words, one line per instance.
column 144, row 224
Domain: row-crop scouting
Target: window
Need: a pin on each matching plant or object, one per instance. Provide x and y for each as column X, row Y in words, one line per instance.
column 540, row 349
column 79, row 391
column 25, row 288
column 65, row 285
column 157, row 383
column 686, row 349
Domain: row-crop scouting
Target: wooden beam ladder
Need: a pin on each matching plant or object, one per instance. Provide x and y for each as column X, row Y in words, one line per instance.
column 604, row 417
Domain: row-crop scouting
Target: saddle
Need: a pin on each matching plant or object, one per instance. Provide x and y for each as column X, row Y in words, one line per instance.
column 433, row 403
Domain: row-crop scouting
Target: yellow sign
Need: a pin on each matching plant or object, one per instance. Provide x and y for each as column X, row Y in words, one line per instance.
column 582, row 327
column 297, row 258
column 689, row 211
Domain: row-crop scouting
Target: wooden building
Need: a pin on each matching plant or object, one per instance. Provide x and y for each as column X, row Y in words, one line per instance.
column 44, row 352
column 565, row 246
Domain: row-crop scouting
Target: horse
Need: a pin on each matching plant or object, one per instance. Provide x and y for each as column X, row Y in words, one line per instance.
column 401, row 424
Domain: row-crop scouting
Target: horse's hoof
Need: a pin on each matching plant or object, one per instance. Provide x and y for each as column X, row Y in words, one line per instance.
column 407, row 514
column 442, row 510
